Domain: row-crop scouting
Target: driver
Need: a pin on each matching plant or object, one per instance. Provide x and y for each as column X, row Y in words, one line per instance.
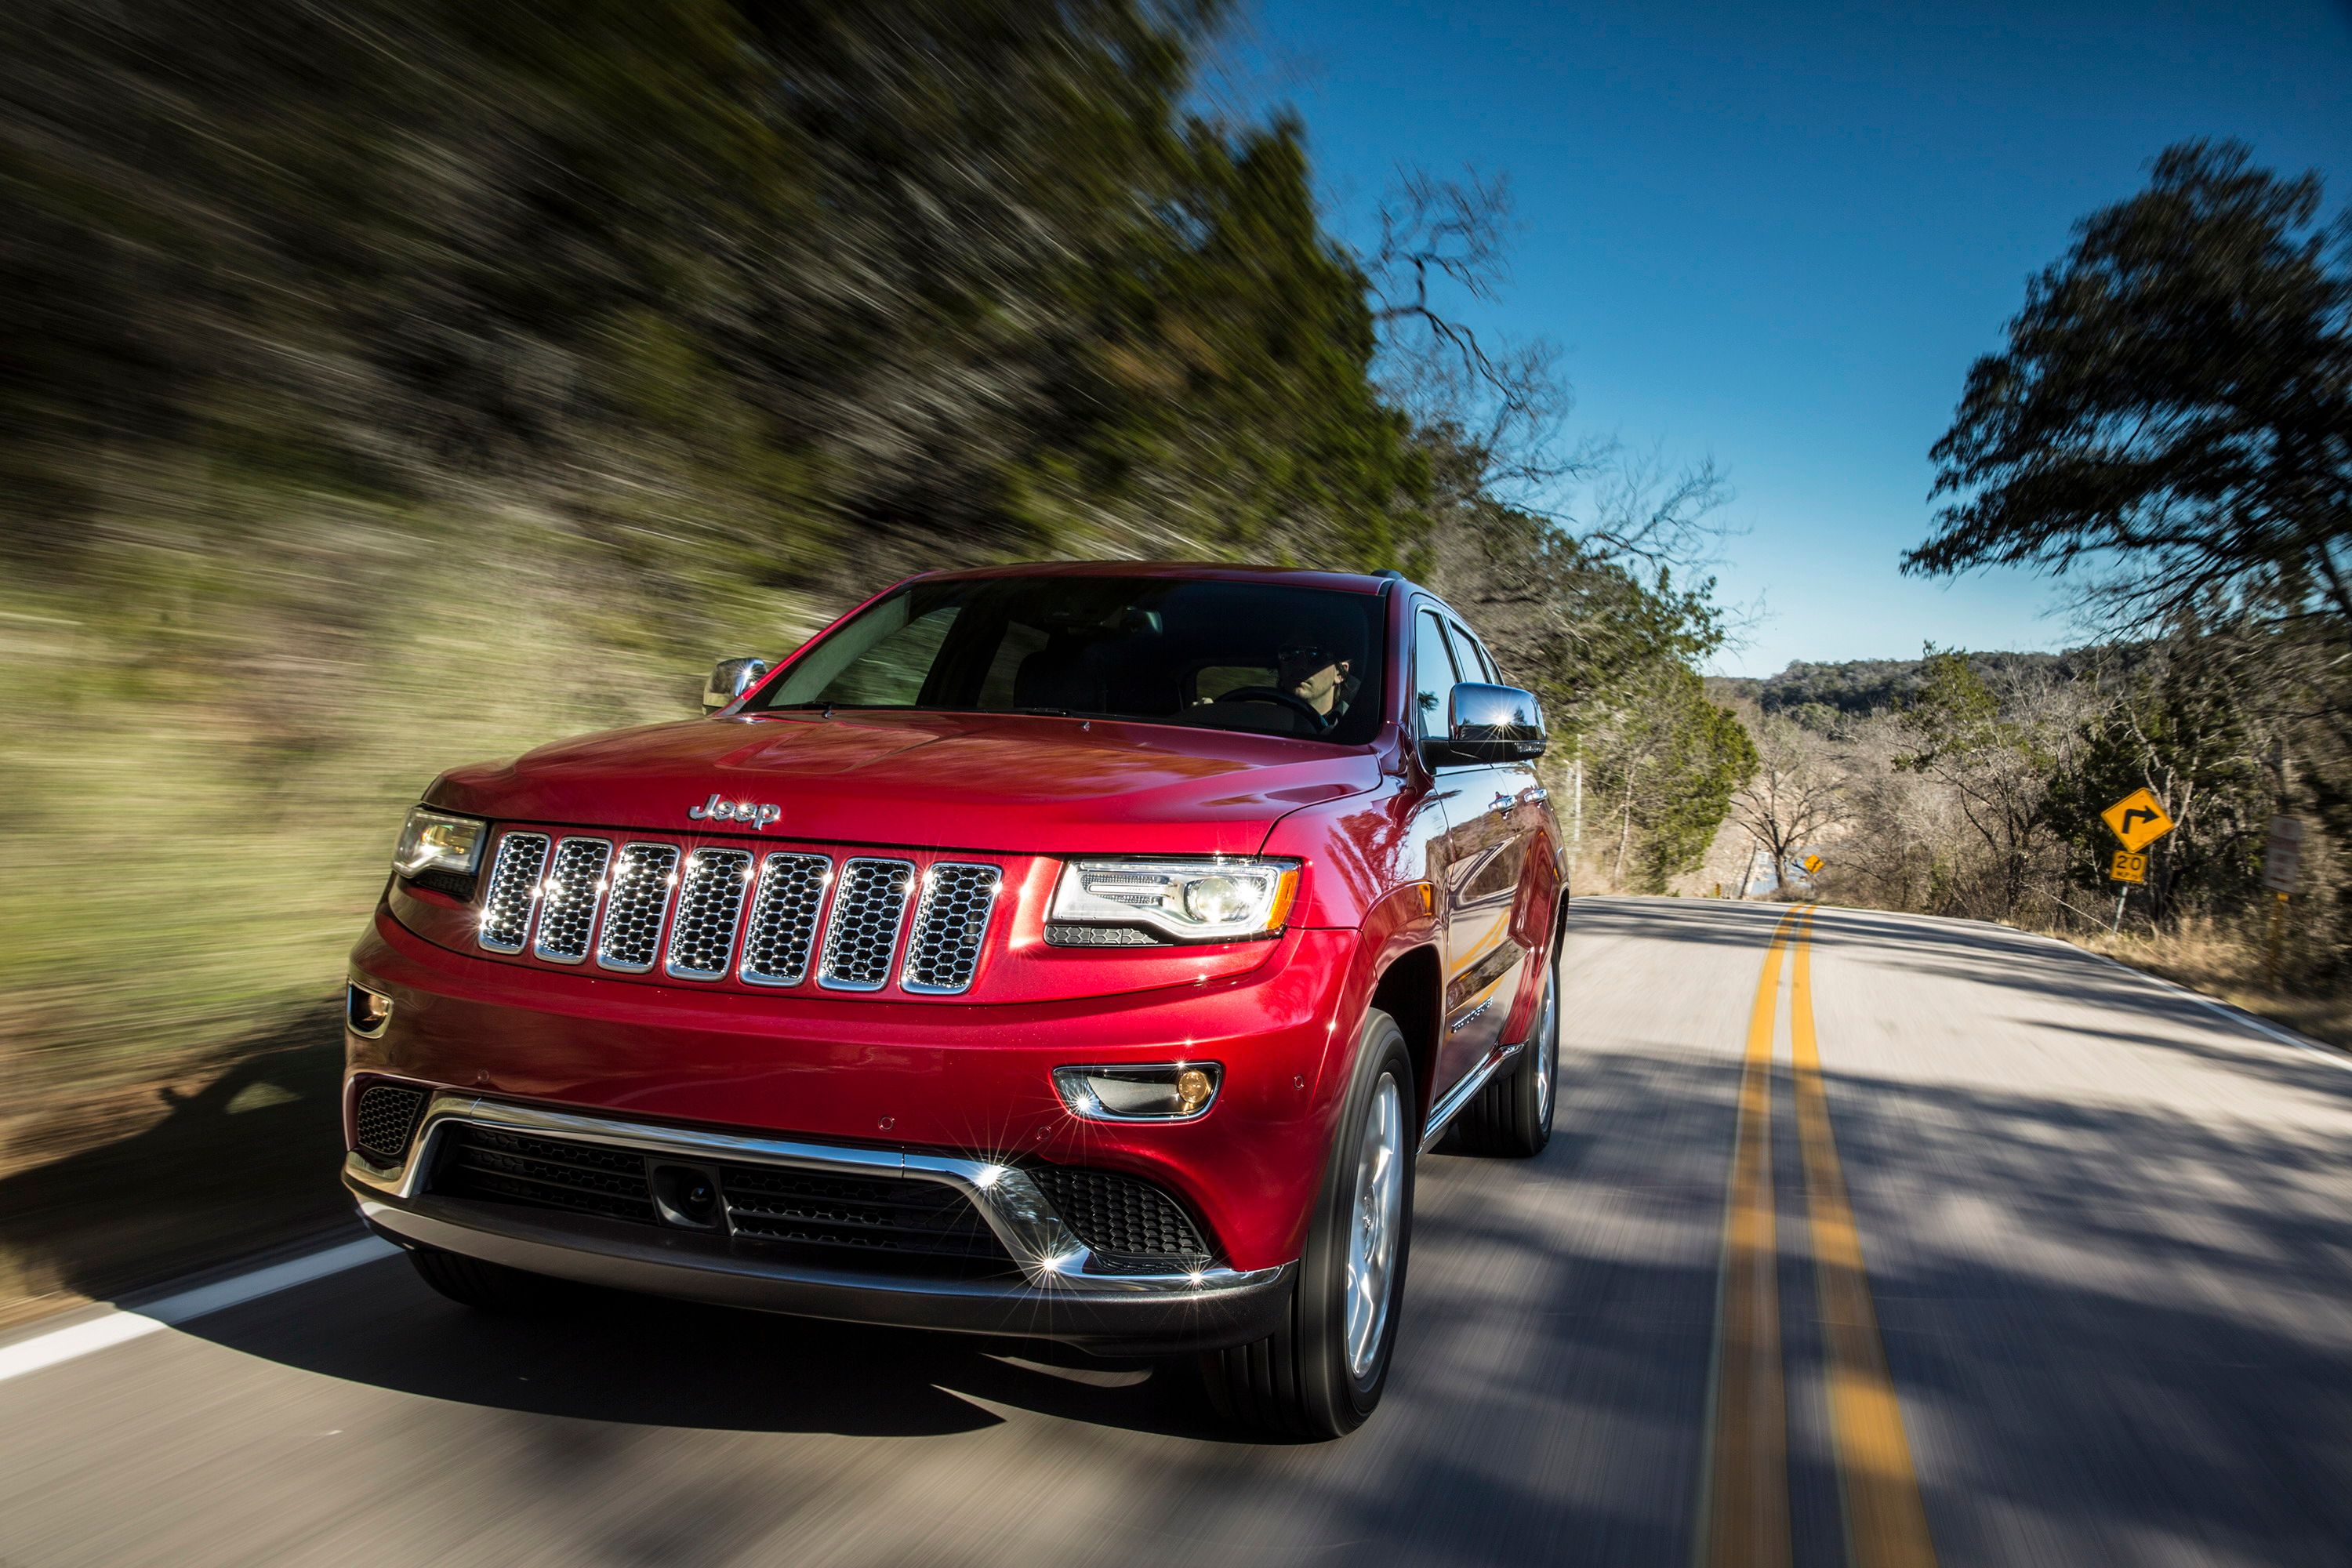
column 1312, row 665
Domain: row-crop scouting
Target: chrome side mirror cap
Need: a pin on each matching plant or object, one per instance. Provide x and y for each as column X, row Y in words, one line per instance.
column 1493, row 724
column 730, row 678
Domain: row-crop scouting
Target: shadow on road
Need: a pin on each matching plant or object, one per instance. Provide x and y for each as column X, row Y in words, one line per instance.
column 247, row 1160
column 638, row 1361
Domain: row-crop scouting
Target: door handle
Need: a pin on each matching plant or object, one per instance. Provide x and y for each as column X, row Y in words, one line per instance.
column 1501, row 804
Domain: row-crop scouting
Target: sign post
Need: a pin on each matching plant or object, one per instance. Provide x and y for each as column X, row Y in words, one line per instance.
column 2138, row 819
column 2282, row 869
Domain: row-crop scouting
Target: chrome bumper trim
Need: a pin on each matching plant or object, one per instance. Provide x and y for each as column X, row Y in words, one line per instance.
column 1051, row 1257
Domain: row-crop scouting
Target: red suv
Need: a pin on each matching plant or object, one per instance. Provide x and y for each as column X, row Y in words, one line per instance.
column 1082, row 952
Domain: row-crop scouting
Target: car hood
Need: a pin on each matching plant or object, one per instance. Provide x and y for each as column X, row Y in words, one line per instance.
column 1010, row 784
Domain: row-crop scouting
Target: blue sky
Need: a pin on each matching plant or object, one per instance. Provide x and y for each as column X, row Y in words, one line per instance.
column 1779, row 235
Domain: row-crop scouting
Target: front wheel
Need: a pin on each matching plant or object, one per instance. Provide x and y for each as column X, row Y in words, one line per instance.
column 1512, row 1115
column 1322, row 1372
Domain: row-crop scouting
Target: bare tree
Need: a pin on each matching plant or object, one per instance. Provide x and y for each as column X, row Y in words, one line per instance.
column 1503, row 404
column 1648, row 511
column 1794, row 798
column 1499, row 409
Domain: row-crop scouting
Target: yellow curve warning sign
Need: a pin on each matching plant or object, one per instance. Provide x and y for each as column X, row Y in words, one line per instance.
column 2138, row 820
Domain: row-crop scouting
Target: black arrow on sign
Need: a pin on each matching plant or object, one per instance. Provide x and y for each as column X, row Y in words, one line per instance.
column 2138, row 814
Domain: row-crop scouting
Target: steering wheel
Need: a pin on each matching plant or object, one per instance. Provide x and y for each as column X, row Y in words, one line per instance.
column 1280, row 697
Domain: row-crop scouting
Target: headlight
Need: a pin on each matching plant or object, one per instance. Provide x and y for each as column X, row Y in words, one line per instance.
column 1174, row 901
column 437, row 841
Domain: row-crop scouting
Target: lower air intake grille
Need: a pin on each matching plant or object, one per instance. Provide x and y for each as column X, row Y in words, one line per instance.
column 544, row 1173
column 890, row 1215
column 884, row 1214
column 387, row 1120
column 1121, row 1215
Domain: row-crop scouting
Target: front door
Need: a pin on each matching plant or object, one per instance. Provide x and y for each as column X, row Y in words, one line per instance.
column 1475, row 865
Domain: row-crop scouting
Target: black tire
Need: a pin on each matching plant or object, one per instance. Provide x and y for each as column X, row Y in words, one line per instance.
column 1512, row 1116
column 1299, row 1382
column 488, row 1286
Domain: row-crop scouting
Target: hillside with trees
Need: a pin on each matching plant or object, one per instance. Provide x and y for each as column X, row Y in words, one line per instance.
column 2169, row 428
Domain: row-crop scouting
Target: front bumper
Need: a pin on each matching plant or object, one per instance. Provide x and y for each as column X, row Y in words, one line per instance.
column 935, row 1079
column 1058, row 1291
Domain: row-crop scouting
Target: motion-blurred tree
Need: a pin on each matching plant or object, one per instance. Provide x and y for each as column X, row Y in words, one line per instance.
column 1666, row 766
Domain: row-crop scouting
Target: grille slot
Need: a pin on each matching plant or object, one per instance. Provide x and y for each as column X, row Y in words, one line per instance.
column 1121, row 1215
column 878, row 1215
column 943, row 953
column 514, row 891
column 784, row 919
column 710, row 912
column 567, row 909
column 869, row 907
column 386, row 1119
column 544, row 1173
column 645, row 876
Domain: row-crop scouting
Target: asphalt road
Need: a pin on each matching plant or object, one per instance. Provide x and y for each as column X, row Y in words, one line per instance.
column 2104, row 1259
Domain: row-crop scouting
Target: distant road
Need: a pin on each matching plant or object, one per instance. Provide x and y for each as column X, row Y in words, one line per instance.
column 2023, row 1259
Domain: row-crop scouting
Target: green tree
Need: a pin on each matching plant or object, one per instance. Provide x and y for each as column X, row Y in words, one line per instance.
column 2182, row 729
column 1996, row 753
column 2175, row 403
column 1669, row 761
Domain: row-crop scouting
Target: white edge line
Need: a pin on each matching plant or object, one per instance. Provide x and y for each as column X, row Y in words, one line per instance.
column 120, row 1325
column 2236, row 1016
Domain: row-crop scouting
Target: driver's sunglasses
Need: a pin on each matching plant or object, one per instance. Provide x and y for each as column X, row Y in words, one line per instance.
column 1303, row 653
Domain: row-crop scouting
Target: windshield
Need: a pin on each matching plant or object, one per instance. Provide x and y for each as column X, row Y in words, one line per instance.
column 1267, row 658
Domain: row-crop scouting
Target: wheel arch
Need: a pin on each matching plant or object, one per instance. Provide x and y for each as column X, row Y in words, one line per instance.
column 1411, row 989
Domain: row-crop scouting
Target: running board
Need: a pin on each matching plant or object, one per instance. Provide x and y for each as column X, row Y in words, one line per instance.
column 1461, row 1094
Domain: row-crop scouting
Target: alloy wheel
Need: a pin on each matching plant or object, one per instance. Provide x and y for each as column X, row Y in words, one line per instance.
column 1376, row 1222
column 1546, row 1051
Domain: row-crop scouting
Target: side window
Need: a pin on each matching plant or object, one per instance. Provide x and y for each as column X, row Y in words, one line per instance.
column 1470, row 656
column 1432, row 674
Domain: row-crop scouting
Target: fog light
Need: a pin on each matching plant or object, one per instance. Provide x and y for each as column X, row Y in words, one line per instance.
column 366, row 1011
column 1169, row 1091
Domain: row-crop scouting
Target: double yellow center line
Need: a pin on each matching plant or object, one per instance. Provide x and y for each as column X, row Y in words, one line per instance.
column 1744, row 1507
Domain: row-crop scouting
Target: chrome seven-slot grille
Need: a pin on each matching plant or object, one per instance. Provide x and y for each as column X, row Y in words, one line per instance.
column 632, row 905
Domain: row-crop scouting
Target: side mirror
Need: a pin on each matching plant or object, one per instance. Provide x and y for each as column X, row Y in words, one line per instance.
column 730, row 678
column 1493, row 724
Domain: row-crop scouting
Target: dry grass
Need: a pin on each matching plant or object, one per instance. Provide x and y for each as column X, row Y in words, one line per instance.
column 196, row 808
column 2230, row 964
